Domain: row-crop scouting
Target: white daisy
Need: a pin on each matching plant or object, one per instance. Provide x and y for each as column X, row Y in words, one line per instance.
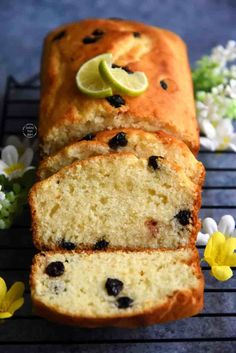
column 12, row 165
column 226, row 226
column 218, row 137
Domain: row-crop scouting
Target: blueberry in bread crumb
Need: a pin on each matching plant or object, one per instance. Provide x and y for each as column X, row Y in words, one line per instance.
column 90, row 40
column 184, row 217
column 113, row 286
column 67, row 245
column 164, row 85
column 116, row 100
column 55, row 269
column 59, row 36
column 153, row 162
column 119, row 140
column 88, row 137
column 96, row 35
column 101, row 244
column 137, row 34
column 124, row 302
column 98, row 32
column 127, row 69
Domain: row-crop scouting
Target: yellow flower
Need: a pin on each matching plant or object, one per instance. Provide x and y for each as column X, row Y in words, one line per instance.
column 219, row 254
column 10, row 300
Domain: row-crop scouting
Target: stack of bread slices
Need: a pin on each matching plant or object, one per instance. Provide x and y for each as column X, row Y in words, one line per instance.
column 115, row 210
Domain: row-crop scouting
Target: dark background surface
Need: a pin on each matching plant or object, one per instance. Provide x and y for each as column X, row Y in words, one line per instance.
column 202, row 24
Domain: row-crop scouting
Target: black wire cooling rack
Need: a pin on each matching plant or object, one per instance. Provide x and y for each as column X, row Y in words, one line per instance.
column 214, row 330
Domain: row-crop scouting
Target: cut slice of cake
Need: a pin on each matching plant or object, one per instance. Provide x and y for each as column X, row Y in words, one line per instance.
column 119, row 199
column 139, row 142
column 119, row 288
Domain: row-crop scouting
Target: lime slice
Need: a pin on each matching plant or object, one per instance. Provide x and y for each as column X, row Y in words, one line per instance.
column 132, row 84
column 88, row 78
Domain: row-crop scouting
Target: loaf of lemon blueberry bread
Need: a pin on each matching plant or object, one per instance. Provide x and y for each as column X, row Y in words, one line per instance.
column 67, row 115
column 118, row 288
column 119, row 189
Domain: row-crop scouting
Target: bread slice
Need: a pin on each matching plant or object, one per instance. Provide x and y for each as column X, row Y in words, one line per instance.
column 118, row 198
column 67, row 115
column 119, row 288
column 139, row 142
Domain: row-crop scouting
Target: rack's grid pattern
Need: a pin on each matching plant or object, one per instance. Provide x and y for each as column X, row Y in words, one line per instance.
column 217, row 323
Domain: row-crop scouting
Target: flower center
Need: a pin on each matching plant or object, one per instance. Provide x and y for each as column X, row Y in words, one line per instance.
column 225, row 142
column 13, row 168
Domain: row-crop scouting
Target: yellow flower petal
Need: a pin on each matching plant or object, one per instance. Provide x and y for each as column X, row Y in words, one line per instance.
column 227, row 256
column 212, row 249
column 5, row 315
column 222, row 273
column 16, row 305
column 3, row 290
column 15, row 292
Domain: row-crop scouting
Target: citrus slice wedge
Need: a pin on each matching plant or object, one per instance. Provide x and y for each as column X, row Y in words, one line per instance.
column 132, row 84
column 88, row 78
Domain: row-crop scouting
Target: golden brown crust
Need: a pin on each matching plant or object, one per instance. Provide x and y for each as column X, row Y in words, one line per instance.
column 62, row 174
column 181, row 305
column 159, row 53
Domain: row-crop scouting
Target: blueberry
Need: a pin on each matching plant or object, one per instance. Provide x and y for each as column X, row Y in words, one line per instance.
column 101, row 244
column 90, row 40
column 184, row 217
column 116, row 100
column 127, row 69
column 164, row 85
column 153, row 162
column 98, row 32
column 67, row 245
column 55, row 269
column 137, row 34
column 59, row 36
column 115, row 66
column 119, row 140
column 113, row 286
column 124, row 302
column 88, row 137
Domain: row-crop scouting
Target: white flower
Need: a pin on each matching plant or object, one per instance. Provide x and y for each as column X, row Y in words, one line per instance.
column 2, row 194
column 231, row 89
column 214, row 105
column 218, row 137
column 209, row 225
column 223, row 55
column 13, row 166
column 21, row 145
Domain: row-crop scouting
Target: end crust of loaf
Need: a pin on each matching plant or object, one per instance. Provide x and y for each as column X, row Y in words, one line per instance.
column 185, row 300
column 67, row 115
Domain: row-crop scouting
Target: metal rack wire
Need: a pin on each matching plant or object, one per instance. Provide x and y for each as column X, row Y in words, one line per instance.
column 214, row 327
